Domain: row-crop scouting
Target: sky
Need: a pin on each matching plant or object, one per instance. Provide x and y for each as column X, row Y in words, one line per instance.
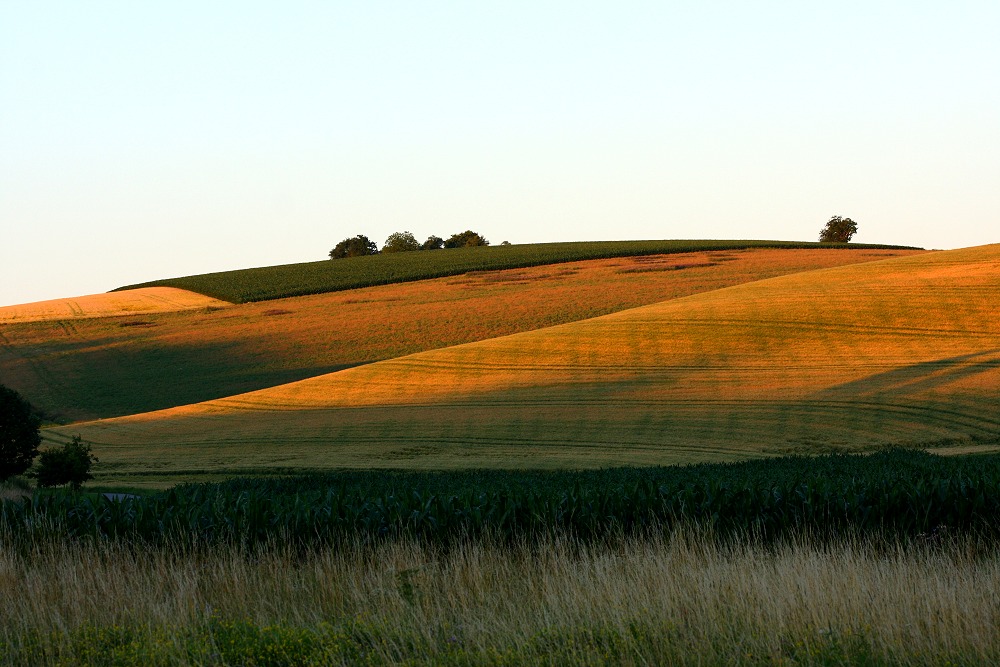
column 146, row 140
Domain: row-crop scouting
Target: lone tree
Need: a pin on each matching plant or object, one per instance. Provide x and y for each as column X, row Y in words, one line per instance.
column 432, row 243
column 838, row 230
column 466, row 239
column 19, row 437
column 67, row 465
column 401, row 242
column 354, row 247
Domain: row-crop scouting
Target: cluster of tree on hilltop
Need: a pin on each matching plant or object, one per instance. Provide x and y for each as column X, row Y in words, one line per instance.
column 836, row 230
column 406, row 242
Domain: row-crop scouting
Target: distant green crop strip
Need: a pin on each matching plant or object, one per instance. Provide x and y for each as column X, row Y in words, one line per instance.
column 287, row 280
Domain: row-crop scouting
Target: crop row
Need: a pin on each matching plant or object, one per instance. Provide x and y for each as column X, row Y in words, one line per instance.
column 276, row 282
column 901, row 492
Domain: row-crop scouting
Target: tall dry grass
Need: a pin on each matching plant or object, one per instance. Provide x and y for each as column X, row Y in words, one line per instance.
column 684, row 599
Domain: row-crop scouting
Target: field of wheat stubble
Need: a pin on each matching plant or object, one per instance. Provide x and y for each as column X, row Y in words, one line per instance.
column 904, row 351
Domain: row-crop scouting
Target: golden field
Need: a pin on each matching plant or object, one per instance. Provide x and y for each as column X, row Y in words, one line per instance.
column 80, row 369
column 904, row 351
column 146, row 300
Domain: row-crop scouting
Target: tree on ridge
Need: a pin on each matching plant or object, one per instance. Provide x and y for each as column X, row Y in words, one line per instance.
column 354, row 247
column 466, row 239
column 433, row 243
column 838, row 230
column 401, row 242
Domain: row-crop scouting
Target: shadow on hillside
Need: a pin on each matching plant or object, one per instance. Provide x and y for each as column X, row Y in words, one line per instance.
column 100, row 380
column 917, row 378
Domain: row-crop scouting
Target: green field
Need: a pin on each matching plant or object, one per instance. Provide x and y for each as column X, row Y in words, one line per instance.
column 898, row 493
column 276, row 282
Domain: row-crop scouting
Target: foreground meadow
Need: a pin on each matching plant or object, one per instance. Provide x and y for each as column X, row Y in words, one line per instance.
column 76, row 368
column 900, row 352
column 679, row 599
column 886, row 559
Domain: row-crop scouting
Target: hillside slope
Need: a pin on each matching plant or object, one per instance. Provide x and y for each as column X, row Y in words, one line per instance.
column 143, row 301
column 904, row 351
column 76, row 369
column 277, row 282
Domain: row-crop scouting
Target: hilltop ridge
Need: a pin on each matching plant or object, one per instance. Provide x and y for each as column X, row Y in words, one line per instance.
column 287, row 280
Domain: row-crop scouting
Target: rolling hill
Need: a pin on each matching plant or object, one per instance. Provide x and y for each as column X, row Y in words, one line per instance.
column 277, row 282
column 144, row 301
column 904, row 351
column 86, row 368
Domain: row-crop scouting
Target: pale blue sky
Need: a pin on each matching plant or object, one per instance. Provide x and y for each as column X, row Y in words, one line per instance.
column 143, row 140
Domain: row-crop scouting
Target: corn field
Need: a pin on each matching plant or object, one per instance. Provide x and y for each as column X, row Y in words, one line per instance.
column 903, row 493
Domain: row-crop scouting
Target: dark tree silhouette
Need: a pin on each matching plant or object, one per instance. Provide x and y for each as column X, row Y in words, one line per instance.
column 466, row 239
column 19, row 436
column 838, row 230
column 354, row 247
column 433, row 243
column 67, row 465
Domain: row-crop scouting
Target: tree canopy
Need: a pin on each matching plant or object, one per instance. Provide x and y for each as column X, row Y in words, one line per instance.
column 432, row 243
column 466, row 239
column 354, row 247
column 401, row 242
column 838, row 230
column 68, row 465
column 19, row 436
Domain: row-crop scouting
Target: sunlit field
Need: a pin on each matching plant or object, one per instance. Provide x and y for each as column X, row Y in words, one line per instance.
column 75, row 369
column 548, row 437
column 148, row 300
column 904, row 351
column 276, row 282
column 882, row 559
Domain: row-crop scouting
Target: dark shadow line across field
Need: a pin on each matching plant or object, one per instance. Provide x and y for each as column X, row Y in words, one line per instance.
column 916, row 378
column 139, row 378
